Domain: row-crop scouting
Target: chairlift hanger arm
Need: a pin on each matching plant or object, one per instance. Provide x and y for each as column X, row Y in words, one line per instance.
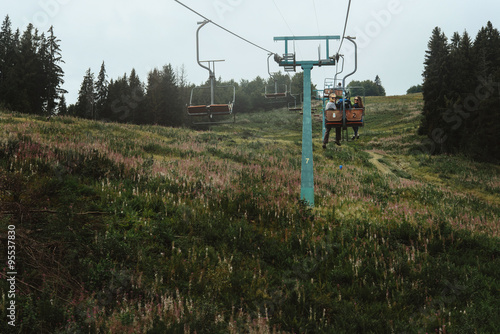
column 202, row 24
column 351, row 39
column 268, row 67
column 342, row 70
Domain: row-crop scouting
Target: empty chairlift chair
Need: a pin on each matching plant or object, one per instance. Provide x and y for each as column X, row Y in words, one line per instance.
column 205, row 108
column 275, row 91
column 204, row 104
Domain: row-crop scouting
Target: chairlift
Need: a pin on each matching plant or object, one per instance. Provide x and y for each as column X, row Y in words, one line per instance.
column 295, row 107
column 274, row 91
column 332, row 85
column 212, row 109
column 346, row 115
column 328, row 88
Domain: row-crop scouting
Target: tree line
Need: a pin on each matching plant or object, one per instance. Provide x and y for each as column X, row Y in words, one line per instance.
column 461, row 91
column 31, row 76
column 31, row 79
column 128, row 100
column 163, row 98
column 370, row 88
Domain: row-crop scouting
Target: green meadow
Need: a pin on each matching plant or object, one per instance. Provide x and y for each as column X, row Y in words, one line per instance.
column 148, row 229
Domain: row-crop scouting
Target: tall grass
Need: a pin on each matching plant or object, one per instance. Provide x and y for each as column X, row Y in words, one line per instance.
column 145, row 229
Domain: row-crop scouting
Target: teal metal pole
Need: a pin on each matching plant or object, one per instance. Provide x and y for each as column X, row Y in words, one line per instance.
column 324, row 119
column 307, row 170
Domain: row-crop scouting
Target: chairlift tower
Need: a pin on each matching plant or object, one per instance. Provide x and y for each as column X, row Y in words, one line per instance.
column 289, row 62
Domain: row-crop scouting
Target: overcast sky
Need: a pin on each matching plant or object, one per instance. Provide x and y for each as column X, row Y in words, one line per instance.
column 392, row 35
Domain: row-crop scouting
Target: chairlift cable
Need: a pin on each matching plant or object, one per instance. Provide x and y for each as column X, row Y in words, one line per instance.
column 221, row 27
column 316, row 14
column 286, row 23
column 345, row 26
column 281, row 14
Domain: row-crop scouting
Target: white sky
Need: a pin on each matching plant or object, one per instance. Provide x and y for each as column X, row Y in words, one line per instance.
column 392, row 35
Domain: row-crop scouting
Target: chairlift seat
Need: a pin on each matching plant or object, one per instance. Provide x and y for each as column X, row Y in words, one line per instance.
column 334, row 117
column 354, row 117
column 327, row 92
column 198, row 110
column 220, row 109
column 275, row 95
column 338, row 92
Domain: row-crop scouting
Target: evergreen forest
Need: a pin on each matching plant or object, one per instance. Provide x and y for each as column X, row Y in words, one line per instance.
column 30, row 70
column 461, row 92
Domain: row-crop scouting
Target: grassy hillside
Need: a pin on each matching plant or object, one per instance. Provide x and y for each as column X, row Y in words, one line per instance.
column 144, row 229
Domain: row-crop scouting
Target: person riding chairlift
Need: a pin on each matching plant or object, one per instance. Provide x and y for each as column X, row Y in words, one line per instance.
column 331, row 105
column 358, row 103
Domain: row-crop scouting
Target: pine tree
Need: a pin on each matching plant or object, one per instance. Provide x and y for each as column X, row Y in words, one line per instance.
column 484, row 126
column 101, row 92
column 162, row 98
column 458, row 87
column 8, row 50
column 154, row 98
column 435, row 75
column 173, row 107
column 486, row 48
column 62, row 108
column 86, row 97
column 136, row 98
column 117, row 108
column 53, row 71
column 380, row 88
column 28, row 98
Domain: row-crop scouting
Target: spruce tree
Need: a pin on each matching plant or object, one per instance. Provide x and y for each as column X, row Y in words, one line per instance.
column 484, row 126
column 62, row 108
column 173, row 107
column 435, row 75
column 8, row 52
column 154, row 98
column 380, row 88
column 28, row 98
column 101, row 92
column 86, row 97
column 163, row 102
column 117, row 108
column 136, row 98
column 54, row 72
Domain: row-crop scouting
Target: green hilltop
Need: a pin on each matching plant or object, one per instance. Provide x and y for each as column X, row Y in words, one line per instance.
column 150, row 229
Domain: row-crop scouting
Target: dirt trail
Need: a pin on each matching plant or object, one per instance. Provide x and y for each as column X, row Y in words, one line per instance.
column 380, row 166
